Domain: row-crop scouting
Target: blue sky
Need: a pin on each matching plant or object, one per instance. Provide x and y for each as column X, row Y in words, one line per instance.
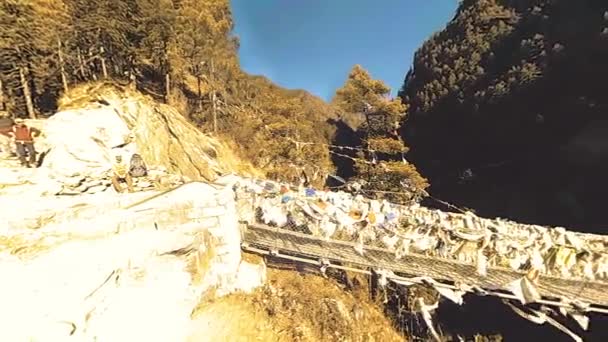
column 312, row 44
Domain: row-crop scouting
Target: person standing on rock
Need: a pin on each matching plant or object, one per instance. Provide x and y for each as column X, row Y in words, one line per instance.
column 24, row 142
column 120, row 174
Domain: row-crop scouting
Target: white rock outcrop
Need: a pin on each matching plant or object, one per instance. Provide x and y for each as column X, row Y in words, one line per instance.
column 159, row 133
column 118, row 271
column 102, row 266
column 81, row 141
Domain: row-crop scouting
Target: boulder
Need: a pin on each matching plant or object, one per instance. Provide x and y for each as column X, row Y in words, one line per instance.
column 97, row 188
column 81, row 140
column 50, row 187
column 186, row 150
column 81, row 188
column 92, row 182
column 73, row 182
column 95, row 120
column 136, row 283
column 144, row 184
column 69, row 192
column 250, row 276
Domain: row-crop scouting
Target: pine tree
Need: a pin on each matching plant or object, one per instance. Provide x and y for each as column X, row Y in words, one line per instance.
column 203, row 47
column 105, row 35
column 30, row 34
column 381, row 163
column 157, row 18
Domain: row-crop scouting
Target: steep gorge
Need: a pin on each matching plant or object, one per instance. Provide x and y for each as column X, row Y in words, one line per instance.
column 507, row 110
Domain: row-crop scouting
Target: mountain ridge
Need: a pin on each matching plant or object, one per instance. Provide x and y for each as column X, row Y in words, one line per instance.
column 499, row 104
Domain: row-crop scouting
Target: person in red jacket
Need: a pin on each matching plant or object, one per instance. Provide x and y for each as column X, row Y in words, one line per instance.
column 24, row 142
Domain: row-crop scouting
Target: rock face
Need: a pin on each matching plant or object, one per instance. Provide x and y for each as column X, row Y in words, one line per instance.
column 113, row 274
column 513, row 91
column 157, row 179
column 101, row 266
column 96, row 265
column 185, row 151
column 99, row 121
column 82, row 140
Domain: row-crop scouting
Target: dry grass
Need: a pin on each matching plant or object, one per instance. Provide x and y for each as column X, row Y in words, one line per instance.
column 9, row 243
column 82, row 96
column 232, row 319
column 293, row 307
column 26, row 249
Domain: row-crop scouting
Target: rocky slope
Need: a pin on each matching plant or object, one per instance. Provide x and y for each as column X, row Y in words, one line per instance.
column 507, row 110
column 150, row 265
column 125, row 117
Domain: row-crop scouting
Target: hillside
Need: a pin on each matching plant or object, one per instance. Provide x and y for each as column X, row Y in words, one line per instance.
column 182, row 53
column 164, row 263
column 486, row 114
column 507, row 110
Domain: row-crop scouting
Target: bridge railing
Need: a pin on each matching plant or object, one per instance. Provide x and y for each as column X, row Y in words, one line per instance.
column 506, row 259
column 455, row 276
column 417, row 230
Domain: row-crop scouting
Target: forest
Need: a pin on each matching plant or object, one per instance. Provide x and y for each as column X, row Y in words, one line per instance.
column 505, row 103
column 183, row 52
column 507, row 110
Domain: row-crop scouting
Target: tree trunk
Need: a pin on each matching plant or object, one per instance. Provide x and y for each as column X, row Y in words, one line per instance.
column 104, row 69
column 2, row 100
column 132, row 80
column 213, row 98
column 64, row 78
column 27, row 94
column 92, row 66
column 9, row 102
column 200, row 96
column 81, row 64
column 167, row 87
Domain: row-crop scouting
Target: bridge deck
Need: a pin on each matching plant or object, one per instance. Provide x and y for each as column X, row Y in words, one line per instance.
column 285, row 241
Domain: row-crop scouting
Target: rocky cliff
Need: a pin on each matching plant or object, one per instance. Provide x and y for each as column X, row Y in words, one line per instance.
column 126, row 119
column 507, row 110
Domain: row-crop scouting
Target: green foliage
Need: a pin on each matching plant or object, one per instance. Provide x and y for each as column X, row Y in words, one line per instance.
column 360, row 89
column 389, row 177
column 386, row 145
column 29, row 35
column 502, row 91
column 201, row 33
column 267, row 127
column 492, row 49
column 448, row 64
column 156, row 29
column 189, row 43
column 110, row 25
column 395, row 181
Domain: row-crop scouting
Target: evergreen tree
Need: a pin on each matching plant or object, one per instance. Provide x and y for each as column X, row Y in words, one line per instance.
column 52, row 45
column 157, row 18
column 30, row 34
column 106, row 35
column 381, row 163
column 202, row 47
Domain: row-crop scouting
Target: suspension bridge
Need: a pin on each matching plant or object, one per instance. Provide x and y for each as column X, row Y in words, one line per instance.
column 579, row 293
column 304, row 248
column 553, row 289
